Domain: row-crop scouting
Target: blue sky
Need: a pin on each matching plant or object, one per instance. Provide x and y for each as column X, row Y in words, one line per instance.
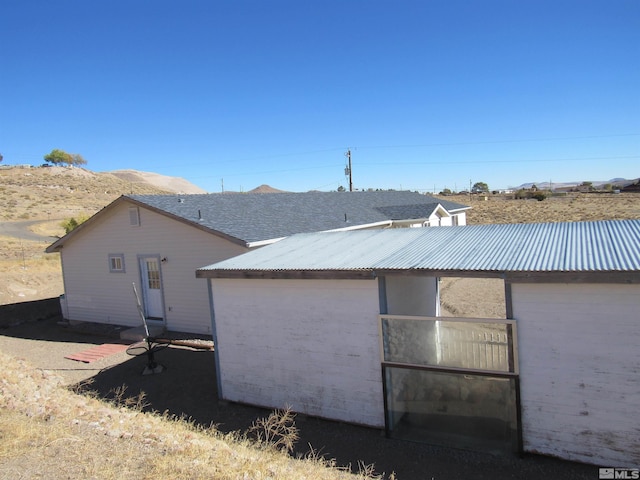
column 427, row 94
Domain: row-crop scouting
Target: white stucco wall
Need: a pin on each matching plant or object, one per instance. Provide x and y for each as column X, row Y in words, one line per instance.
column 94, row 294
column 461, row 218
column 579, row 353
column 310, row 344
column 446, row 221
column 412, row 295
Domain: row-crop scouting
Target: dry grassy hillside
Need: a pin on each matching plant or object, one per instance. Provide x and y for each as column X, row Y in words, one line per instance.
column 57, row 192
column 46, row 196
column 50, row 432
column 571, row 208
column 173, row 184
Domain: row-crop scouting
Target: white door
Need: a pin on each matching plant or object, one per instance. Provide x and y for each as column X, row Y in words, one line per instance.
column 151, row 288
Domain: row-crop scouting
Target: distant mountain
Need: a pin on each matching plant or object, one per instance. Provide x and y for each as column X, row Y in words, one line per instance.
column 618, row 182
column 175, row 184
column 266, row 189
column 261, row 189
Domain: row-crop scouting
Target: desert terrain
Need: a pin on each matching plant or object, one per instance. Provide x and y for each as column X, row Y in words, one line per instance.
column 35, row 201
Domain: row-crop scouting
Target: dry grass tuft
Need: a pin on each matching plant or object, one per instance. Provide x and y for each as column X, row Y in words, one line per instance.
column 277, row 431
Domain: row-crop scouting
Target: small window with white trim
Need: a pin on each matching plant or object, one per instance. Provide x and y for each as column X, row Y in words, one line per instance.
column 116, row 263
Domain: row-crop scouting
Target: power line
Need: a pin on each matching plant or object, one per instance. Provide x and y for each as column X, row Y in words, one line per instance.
column 426, row 163
column 482, row 162
column 425, row 145
column 372, row 147
column 263, row 172
column 488, row 142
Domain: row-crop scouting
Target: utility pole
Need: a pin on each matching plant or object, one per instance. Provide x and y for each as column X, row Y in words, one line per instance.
column 222, row 183
column 347, row 170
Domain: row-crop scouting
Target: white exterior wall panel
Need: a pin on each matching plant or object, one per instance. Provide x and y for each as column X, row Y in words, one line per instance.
column 310, row 344
column 437, row 219
column 95, row 294
column 412, row 295
column 579, row 354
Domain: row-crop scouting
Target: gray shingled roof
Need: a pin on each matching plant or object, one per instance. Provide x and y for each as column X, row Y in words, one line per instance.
column 259, row 217
column 602, row 246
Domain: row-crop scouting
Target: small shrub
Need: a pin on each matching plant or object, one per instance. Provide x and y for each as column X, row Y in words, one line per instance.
column 520, row 194
column 72, row 223
column 524, row 194
column 277, row 431
column 540, row 196
column 122, row 399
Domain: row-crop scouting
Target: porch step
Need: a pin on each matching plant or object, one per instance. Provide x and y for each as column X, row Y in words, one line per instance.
column 137, row 334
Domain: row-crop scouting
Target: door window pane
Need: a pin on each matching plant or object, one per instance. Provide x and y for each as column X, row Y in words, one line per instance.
column 153, row 274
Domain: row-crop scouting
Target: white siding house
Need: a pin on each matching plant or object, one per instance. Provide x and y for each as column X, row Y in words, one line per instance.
column 158, row 241
column 347, row 326
column 97, row 293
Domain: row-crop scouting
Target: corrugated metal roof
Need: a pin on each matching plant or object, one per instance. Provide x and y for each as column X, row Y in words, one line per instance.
column 259, row 217
column 600, row 246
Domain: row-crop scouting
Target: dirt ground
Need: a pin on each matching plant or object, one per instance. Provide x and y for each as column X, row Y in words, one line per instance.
column 187, row 387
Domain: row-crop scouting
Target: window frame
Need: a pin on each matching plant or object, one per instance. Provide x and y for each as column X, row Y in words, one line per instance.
column 114, row 257
column 134, row 216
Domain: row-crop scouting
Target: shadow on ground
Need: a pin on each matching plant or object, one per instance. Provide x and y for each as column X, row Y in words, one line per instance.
column 19, row 313
column 187, row 388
